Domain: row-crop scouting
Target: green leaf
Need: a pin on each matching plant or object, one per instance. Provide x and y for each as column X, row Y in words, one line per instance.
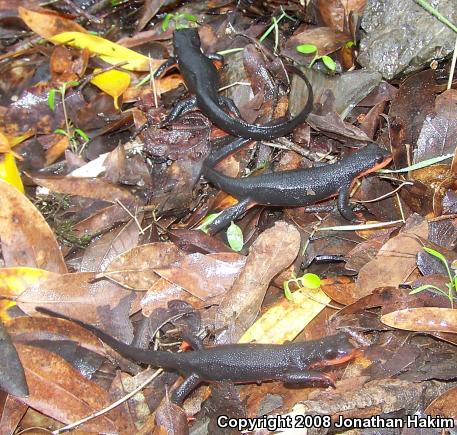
column 436, row 254
column 419, row 165
column 81, row 133
column 190, row 17
column 306, row 48
column 235, row 237
column 61, row 131
column 52, row 99
column 72, row 83
column 166, row 21
column 349, row 44
column 310, row 280
column 420, row 289
column 329, row 63
column 207, row 221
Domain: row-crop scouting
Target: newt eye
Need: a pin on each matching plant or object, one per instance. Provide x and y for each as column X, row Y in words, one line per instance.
column 379, row 159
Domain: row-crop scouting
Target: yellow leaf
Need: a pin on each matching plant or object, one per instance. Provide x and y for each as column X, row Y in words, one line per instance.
column 14, row 281
column 285, row 320
column 9, row 171
column 8, row 168
column 112, row 82
column 16, row 140
column 110, row 52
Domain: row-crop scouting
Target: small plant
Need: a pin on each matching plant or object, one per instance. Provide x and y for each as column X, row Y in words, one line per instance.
column 308, row 280
column 312, row 49
column 451, row 285
column 274, row 26
column 181, row 20
column 72, row 133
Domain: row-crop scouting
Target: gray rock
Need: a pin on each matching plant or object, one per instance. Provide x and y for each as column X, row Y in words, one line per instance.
column 400, row 36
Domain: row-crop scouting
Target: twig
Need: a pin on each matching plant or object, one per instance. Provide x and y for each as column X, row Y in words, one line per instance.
column 110, row 407
column 452, row 71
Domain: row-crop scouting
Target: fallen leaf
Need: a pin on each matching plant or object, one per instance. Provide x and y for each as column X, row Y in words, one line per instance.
column 9, row 171
column 88, row 187
column 26, row 237
column 135, row 268
column 286, row 319
column 444, row 405
column 112, row 82
column 47, row 23
column 424, row 319
column 110, row 52
column 274, row 250
column 60, row 391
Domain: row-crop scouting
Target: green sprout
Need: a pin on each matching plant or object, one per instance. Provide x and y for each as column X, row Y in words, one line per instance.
column 70, row 132
column 308, row 49
column 274, row 26
column 181, row 20
column 451, row 285
column 308, row 280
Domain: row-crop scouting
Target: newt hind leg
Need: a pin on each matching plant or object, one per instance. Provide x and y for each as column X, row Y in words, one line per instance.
column 230, row 214
column 343, row 204
column 162, row 69
column 179, row 109
column 229, row 105
column 189, row 384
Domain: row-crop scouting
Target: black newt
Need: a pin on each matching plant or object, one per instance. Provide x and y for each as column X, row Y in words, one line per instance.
column 298, row 187
column 202, row 80
column 240, row 363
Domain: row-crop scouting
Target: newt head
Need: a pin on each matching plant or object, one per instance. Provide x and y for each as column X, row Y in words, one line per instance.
column 369, row 159
column 336, row 349
column 186, row 38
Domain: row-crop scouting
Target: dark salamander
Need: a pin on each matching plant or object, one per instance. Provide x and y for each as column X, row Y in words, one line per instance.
column 241, row 363
column 299, row 187
column 202, row 80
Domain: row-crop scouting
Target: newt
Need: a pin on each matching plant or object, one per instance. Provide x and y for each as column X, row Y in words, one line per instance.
column 239, row 363
column 298, row 187
column 202, row 80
